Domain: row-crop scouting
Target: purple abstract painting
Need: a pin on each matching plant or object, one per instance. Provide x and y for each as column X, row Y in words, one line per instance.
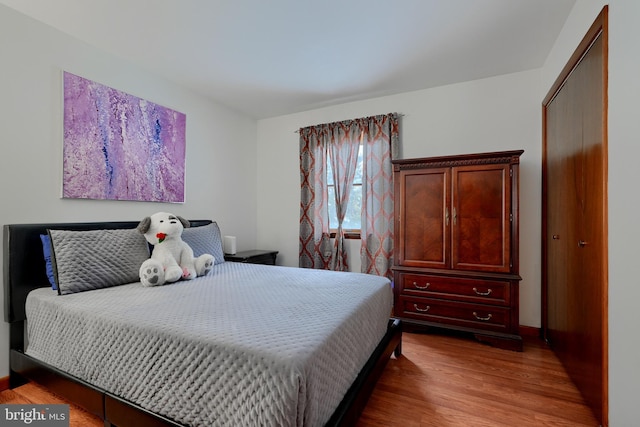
column 120, row 147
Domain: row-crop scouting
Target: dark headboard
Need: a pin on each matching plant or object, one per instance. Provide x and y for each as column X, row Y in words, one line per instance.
column 24, row 268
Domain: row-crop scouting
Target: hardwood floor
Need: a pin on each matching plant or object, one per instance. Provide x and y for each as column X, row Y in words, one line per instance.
column 34, row 393
column 450, row 381
column 444, row 381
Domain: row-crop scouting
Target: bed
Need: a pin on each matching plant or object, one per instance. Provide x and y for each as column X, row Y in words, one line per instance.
column 246, row 345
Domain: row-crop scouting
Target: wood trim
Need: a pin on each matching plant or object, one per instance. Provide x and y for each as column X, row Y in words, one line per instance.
column 603, row 19
column 600, row 25
column 4, row 383
column 348, row 234
column 530, row 331
column 498, row 157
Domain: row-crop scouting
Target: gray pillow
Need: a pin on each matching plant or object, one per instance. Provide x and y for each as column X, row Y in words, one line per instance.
column 205, row 240
column 86, row 260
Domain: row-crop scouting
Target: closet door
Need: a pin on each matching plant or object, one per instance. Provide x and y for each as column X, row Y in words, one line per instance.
column 575, row 219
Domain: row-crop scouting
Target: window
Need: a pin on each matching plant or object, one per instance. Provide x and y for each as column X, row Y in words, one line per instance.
column 353, row 217
column 369, row 216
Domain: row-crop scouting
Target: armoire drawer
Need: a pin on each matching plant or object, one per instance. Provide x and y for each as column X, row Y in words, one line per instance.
column 459, row 289
column 477, row 316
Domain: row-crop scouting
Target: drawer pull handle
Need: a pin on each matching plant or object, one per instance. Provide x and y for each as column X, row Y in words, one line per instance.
column 415, row 284
column 482, row 293
column 423, row 310
column 484, row 319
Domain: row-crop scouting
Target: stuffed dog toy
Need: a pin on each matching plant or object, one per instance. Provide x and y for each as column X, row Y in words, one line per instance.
column 172, row 259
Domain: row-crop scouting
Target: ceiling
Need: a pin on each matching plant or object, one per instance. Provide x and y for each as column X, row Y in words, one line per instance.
column 270, row 58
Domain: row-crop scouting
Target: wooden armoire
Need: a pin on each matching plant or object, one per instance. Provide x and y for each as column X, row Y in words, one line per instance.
column 456, row 245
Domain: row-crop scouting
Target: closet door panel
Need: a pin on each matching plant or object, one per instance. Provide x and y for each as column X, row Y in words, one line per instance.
column 559, row 233
column 591, row 241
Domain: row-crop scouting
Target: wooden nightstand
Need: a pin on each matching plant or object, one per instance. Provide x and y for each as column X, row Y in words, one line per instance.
column 255, row 256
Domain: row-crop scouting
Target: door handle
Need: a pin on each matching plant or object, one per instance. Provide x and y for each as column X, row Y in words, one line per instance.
column 556, row 237
column 582, row 243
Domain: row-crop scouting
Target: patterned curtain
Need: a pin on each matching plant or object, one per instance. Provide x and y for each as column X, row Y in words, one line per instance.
column 315, row 242
column 380, row 146
column 339, row 142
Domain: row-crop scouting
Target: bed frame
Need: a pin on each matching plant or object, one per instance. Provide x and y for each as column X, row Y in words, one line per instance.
column 24, row 270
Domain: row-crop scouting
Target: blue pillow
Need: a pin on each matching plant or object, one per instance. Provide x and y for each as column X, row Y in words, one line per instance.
column 205, row 240
column 46, row 249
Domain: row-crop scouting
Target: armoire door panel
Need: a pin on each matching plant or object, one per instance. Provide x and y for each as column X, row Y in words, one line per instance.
column 481, row 219
column 424, row 221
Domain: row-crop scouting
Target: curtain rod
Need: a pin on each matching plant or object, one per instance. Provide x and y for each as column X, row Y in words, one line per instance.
column 398, row 114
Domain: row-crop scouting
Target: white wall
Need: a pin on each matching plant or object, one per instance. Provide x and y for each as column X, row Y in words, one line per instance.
column 218, row 140
column 624, row 198
column 494, row 114
column 624, row 205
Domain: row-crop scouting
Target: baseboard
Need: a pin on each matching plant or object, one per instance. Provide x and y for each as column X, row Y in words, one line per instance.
column 530, row 332
column 4, row 383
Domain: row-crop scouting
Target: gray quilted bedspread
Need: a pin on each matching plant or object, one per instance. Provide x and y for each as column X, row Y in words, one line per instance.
column 248, row 345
